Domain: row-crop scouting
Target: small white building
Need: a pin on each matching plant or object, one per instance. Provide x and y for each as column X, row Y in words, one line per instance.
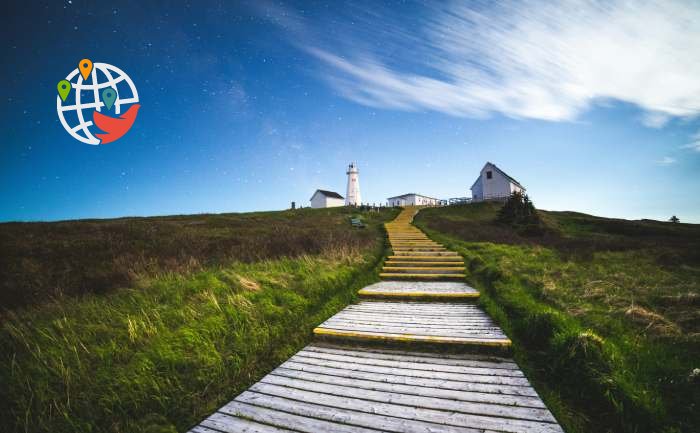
column 494, row 184
column 413, row 199
column 322, row 198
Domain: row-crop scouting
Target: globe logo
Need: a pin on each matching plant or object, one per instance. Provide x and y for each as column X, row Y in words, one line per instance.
column 97, row 104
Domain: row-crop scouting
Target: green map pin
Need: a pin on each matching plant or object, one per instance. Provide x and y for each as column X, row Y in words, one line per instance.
column 109, row 95
column 63, row 89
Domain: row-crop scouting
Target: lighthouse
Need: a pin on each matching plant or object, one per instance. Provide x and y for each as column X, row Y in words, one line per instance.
column 352, row 198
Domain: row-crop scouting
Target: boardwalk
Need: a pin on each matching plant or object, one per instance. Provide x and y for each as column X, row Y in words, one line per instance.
column 360, row 376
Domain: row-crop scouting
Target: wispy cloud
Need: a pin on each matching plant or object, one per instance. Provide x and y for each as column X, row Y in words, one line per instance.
column 694, row 143
column 526, row 59
column 666, row 160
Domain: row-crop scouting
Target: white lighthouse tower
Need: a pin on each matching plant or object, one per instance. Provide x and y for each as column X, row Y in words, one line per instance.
column 352, row 198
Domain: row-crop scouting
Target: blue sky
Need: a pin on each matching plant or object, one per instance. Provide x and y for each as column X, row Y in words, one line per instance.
column 592, row 106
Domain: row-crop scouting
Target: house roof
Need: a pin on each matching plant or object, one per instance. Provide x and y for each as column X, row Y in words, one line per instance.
column 412, row 193
column 330, row 194
column 507, row 176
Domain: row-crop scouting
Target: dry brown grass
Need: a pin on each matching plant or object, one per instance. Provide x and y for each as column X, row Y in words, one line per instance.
column 653, row 323
column 41, row 261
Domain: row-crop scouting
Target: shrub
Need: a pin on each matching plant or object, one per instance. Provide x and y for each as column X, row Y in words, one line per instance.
column 518, row 210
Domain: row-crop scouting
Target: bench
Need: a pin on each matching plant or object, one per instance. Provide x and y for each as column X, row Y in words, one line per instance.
column 356, row 222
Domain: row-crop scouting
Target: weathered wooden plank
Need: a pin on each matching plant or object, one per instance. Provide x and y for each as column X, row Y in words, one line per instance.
column 461, row 395
column 436, row 327
column 413, row 310
column 422, row 277
column 200, row 429
column 400, row 411
column 414, row 294
column 422, row 286
column 465, row 360
column 398, row 378
column 275, row 385
column 454, row 314
column 398, row 315
column 355, row 418
column 221, row 422
column 426, row 314
column 416, row 257
column 417, row 310
column 410, row 338
column 475, row 332
column 411, row 333
column 416, row 305
column 427, row 374
column 413, row 305
column 390, row 321
column 465, row 315
column 452, row 321
column 284, row 415
column 403, row 364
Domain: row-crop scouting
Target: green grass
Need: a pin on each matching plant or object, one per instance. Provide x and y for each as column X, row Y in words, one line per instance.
column 41, row 261
column 160, row 355
column 603, row 313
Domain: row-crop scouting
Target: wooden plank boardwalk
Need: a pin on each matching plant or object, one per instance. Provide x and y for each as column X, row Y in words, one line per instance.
column 419, row 289
column 404, row 321
column 348, row 382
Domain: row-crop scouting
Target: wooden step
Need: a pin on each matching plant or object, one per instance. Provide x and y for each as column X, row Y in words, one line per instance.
column 419, row 290
column 423, row 270
column 386, row 320
column 416, row 239
column 397, row 263
column 417, row 258
column 416, row 245
column 333, row 388
column 399, row 276
column 426, row 253
column 421, row 247
column 417, row 249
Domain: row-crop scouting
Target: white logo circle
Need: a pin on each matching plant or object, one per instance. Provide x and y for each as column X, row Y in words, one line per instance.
column 102, row 76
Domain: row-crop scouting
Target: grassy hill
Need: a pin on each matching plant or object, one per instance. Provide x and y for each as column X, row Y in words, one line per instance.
column 604, row 313
column 43, row 260
column 149, row 324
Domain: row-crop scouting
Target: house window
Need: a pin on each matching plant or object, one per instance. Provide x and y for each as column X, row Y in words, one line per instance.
column 489, row 175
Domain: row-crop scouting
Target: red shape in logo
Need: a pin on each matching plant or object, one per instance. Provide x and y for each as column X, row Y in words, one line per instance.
column 115, row 127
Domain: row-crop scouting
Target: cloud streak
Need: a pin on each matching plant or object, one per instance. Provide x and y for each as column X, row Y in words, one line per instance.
column 694, row 144
column 666, row 160
column 526, row 59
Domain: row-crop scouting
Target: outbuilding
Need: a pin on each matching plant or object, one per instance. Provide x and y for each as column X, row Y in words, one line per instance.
column 413, row 199
column 323, row 198
column 494, row 184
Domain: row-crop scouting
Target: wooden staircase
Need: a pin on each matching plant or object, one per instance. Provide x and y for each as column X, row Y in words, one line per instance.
column 417, row 257
column 407, row 358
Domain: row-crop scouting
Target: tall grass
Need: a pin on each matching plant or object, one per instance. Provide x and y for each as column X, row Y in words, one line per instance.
column 161, row 356
column 609, row 337
column 41, row 261
column 163, row 353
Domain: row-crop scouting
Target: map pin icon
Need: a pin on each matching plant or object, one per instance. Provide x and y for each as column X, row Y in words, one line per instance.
column 85, row 67
column 63, row 89
column 109, row 95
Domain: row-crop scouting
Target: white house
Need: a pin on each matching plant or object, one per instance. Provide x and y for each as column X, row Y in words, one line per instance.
column 494, row 184
column 413, row 199
column 322, row 198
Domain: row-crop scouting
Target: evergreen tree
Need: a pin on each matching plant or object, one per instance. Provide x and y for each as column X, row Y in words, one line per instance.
column 518, row 210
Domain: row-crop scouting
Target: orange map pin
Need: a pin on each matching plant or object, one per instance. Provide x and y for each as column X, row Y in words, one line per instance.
column 85, row 67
